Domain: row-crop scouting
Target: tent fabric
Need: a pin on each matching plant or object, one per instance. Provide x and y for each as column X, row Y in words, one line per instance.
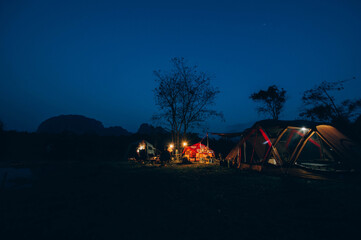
column 142, row 147
column 339, row 141
column 150, row 149
column 342, row 144
column 295, row 145
column 197, row 151
column 234, row 152
column 256, row 138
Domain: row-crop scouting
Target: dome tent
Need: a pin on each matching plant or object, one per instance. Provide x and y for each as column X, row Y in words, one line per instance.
column 198, row 152
column 301, row 148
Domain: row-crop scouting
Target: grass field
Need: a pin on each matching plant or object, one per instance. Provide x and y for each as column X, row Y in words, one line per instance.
column 124, row 200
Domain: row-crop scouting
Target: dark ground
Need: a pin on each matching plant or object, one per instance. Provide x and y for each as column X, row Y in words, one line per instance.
column 123, row 200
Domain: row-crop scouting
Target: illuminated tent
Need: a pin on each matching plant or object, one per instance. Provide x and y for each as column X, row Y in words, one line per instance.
column 142, row 150
column 147, row 147
column 198, row 152
column 300, row 148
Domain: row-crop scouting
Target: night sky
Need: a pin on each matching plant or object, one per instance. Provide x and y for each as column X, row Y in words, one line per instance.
column 96, row 58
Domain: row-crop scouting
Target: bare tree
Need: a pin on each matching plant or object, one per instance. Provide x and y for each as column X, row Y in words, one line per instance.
column 272, row 100
column 184, row 97
column 321, row 105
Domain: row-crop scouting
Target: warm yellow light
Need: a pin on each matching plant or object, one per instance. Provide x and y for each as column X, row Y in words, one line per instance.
column 141, row 147
column 170, row 147
column 185, row 144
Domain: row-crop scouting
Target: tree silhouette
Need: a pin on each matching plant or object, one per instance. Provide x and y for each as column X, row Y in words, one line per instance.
column 184, row 97
column 321, row 105
column 272, row 100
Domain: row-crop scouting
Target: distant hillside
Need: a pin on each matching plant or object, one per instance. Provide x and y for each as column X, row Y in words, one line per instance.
column 79, row 125
column 147, row 129
column 115, row 131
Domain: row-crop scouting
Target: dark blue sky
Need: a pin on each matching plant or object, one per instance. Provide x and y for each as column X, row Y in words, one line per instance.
column 96, row 58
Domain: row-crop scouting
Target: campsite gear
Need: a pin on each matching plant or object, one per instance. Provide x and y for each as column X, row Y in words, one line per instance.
column 143, row 151
column 301, row 148
column 198, row 153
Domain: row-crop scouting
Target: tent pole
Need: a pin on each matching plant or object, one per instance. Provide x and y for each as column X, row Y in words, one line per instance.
column 207, row 141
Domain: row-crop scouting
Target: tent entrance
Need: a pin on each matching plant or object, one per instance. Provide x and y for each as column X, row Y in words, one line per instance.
column 253, row 150
column 316, row 154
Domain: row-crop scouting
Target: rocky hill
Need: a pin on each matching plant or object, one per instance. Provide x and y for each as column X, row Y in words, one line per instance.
column 79, row 125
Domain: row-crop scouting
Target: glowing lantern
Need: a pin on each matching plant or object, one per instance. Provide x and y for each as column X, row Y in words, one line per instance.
column 170, row 148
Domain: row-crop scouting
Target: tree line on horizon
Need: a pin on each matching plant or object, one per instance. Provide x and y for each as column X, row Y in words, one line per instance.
column 184, row 97
column 319, row 103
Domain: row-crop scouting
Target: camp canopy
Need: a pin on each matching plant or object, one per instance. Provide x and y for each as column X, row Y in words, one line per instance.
column 198, row 152
column 147, row 147
column 142, row 149
column 295, row 147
